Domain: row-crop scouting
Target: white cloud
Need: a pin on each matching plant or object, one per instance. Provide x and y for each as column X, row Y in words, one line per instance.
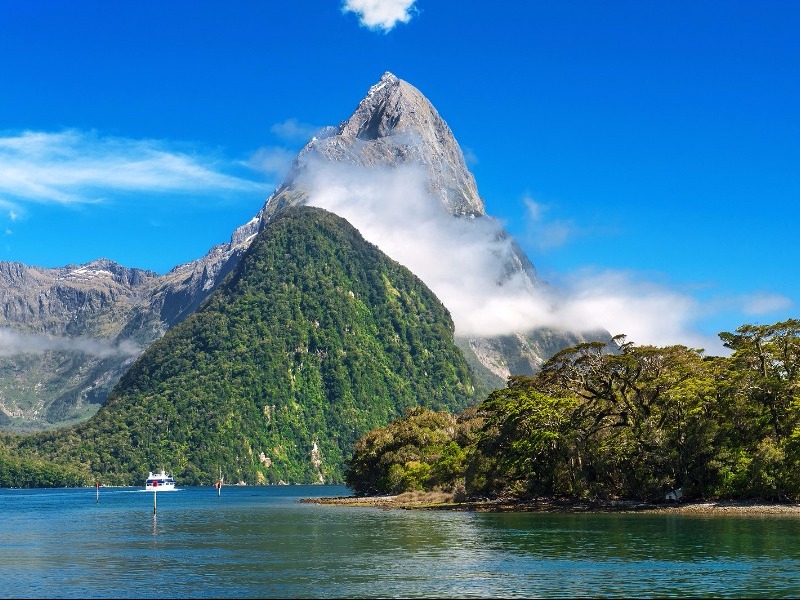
column 12, row 210
column 533, row 210
column 272, row 161
column 626, row 303
column 458, row 260
column 380, row 14
column 470, row 158
column 763, row 303
column 542, row 233
column 13, row 343
column 292, row 130
column 79, row 167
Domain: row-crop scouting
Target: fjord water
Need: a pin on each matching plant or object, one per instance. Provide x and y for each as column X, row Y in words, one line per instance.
column 263, row 542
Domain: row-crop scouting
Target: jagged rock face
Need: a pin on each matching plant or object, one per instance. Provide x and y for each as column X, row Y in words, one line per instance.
column 71, row 332
column 185, row 287
column 69, row 300
column 393, row 125
column 67, row 336
column 396, row 124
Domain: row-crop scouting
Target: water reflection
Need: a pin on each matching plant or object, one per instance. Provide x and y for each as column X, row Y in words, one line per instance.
column 262, row 542
column 663, row 555
column 642, row 536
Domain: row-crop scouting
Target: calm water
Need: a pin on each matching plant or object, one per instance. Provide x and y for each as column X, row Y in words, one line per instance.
column 262, row 542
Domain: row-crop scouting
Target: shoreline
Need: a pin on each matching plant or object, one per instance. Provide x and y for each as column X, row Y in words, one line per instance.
column 440, row 501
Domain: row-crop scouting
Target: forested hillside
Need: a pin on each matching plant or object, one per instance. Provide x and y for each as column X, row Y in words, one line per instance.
column 315, row 339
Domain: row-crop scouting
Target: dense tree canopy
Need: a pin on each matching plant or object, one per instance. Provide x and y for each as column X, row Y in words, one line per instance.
column 636, row 422
column 422, row 451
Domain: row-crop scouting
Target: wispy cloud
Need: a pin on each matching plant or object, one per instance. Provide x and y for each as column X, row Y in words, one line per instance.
column 273, row 161
column 380, row 14
column 292, row 130
column 76, row 167
column 459, row 260
column 626, row 302
column 764, row 303
column 543, row 233
column 13, row 343
column 470, row 158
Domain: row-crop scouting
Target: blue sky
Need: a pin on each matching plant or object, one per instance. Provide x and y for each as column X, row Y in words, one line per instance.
column 647, row 150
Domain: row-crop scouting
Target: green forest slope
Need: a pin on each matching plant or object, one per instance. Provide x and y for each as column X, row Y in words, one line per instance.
column 315, row 339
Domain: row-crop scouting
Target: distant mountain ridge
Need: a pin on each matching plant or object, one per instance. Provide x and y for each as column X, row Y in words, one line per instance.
column 122, row 311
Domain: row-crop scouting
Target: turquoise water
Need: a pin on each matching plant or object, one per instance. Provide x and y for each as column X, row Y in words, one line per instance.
column 263, row 542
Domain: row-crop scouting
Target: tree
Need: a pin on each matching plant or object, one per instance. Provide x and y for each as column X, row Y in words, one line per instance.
column 524, row 446
column 645, row 416
column 418, row 452
column 761, row 389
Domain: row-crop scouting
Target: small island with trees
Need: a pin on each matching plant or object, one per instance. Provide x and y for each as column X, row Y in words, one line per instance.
column 626, row 426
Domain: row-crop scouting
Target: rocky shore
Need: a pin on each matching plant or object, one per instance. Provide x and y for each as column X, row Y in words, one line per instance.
column 442, row 501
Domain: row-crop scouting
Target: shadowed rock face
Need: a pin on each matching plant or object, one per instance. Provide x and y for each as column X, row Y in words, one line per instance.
column 46, row 379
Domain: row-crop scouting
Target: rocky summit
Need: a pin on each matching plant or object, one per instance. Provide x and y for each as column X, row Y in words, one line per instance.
column 393, row 125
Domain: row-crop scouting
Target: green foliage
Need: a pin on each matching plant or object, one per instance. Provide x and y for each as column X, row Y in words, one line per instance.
column 421, row 451
column 525, row 437
column 21, row 472
column 630, row 422
column 760, row 392
column 315, row 339
column 645, row 419
column 299, row 366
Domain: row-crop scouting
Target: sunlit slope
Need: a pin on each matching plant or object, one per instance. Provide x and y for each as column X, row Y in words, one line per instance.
column 316, row 338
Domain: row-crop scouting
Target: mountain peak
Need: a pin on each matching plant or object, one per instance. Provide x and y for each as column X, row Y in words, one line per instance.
column 394, row 125
column 387, row 77
column 392, row 105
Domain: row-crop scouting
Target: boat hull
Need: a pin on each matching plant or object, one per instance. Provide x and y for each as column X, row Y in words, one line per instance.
column 160, row 488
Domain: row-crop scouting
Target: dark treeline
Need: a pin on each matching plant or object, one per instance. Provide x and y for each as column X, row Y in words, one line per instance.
column 632, row 423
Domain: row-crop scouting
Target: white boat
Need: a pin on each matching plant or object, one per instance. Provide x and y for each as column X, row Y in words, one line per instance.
column 159, row 482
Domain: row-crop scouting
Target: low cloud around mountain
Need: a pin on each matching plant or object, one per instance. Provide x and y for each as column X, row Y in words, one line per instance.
column 13, row 343
column 457, row 259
